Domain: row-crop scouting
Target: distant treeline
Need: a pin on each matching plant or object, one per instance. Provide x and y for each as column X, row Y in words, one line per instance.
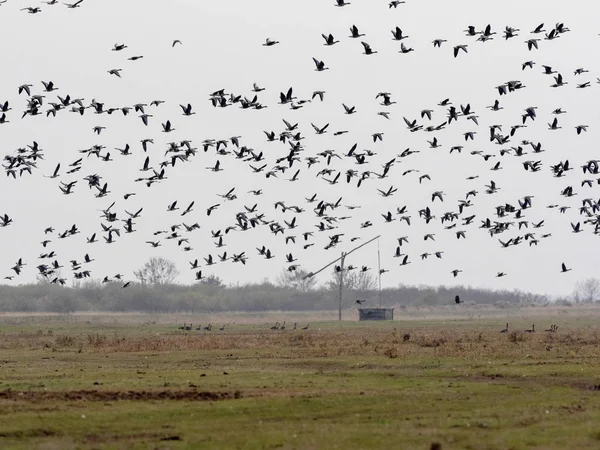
column 210, row 298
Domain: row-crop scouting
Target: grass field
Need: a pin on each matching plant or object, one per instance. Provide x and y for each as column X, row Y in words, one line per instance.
column 429, row 381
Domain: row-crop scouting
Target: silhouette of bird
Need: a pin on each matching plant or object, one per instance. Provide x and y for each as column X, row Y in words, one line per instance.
column 270, row 43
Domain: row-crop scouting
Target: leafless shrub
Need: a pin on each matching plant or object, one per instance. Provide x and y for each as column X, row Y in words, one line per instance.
column 96, row 339
column 64, row 340
column 391, row 352
column 432, row 341
column 516, row 336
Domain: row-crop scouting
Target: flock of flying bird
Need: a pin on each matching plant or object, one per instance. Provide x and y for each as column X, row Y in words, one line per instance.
column 48, row 98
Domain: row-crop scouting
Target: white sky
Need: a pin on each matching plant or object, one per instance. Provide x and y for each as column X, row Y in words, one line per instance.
column 222, row 48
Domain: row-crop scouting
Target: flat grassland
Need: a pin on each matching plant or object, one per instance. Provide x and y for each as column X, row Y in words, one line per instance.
column 137, row 381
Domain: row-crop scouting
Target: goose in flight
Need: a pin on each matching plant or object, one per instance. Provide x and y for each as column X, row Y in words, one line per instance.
column 320, row 130
column 349, row 109
column 437, row 194
column 389, row 192
column 404, row 49
column 458, row 48
column 329, row 40
column 270, row 43
column 25, row 88
column 397, row 34
column 554, row 124
column 527, row 64
column 5, row 220
column 320, row 94
column 320, row 65
column 559, row 81
column 55, row 173
column 49, row 86
column 167, row 128
column 187, row 109
column 368, row 50
column 532, row 43
column 188, row 209
column 471, row 31
column 74, row 5
column 354, row 33
column 388, row 217
column 539, row 29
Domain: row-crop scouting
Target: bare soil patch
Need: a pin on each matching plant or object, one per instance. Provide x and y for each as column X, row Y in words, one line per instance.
column 35, row 433
column 108, row 396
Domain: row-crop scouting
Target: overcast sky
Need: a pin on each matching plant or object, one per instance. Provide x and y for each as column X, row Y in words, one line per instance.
column 222, row 49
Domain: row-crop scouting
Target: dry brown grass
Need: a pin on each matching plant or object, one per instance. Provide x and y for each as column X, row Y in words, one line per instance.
column 394, row 343
column 411, row 313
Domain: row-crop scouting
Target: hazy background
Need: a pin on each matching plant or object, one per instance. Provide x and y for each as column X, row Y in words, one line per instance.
column 222, row 49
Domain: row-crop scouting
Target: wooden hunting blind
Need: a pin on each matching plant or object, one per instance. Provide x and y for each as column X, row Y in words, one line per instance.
column 375, row 314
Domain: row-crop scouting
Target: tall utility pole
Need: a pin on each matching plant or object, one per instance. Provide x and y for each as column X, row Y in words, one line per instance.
column 341, row 284
column 379, row 271
column 341, row 259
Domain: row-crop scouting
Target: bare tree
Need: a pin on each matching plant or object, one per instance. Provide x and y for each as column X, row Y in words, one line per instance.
column 354, row 280
column 212, row 280
column 296, row 280
column 44, row 278
column 157, row 271
column 365, row 281
column 587, row 291
column 334, row 283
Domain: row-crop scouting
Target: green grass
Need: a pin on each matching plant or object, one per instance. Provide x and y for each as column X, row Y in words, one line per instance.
column 137, row 382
